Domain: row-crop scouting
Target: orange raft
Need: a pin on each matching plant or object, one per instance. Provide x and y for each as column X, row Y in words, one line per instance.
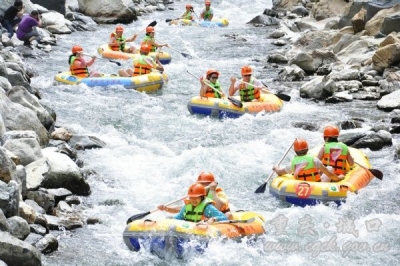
column 223, row 108
column 174, row 235
column 106, row 52
column 303, row 193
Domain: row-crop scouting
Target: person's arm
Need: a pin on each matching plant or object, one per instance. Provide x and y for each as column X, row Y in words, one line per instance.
column 219, row 197
column 279, row 171
column 321, row 153
column 211, row 14
column 232, row 87
column 214, row 214
column 91, row 62
column 21, row 12
column 350, row 159
column 257, row 85
column 131, row 39
column 180, row 216
column 332, row 176
column 175, row 209
column 203, row 88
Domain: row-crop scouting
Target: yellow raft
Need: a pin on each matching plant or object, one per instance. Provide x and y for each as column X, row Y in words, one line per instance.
column 303, row 193
column 216, row 22
column 224, row 108
column 174, row 235
column 106, row 52
column 151, row 82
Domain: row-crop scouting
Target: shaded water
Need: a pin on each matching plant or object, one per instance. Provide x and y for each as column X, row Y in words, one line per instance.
column 155, row 150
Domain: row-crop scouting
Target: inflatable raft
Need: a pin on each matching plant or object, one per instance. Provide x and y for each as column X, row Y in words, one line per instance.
column 170, row 235
column 223, row 108
column 303, row 193
column 106, row 52
column 217, row 22
column 148, row 83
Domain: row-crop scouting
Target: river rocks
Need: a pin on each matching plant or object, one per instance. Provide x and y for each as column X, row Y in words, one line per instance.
column 104, row 11
column 47, row 244
column 16, row 252
column 390, row 101
column 19, row 228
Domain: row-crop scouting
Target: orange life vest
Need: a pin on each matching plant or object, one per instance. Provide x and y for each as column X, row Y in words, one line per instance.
column 115, row 46
column 304, row 168
column 141, row 67
column 78, row 71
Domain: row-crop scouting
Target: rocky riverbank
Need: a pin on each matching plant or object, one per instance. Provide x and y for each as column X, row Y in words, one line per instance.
column 41, row 180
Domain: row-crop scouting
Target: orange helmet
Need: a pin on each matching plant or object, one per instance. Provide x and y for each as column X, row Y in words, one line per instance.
column 119, row 29
column 208, row 3
column 196, row 190
column 300, row 145
column 189, row 6
column 246, row 70
column 76, row 48
column 150, row 29
column 331, row 131
column 211, row 71
column 144, row 48
column 205, row 177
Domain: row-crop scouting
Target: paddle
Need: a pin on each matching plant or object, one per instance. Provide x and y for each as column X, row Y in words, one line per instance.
column 283, row 97
column 111, row 61
column 169, row 20
column 152, row 24
column 261, row 189
column 234, row 101
column 236, row 221
column 144, row 214
column 378, row 174
column 182, row 53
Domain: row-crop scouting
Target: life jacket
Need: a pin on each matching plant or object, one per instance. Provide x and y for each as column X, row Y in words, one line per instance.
column 247, row 92
column 188, row 15
column 149, row 38
column 77, row 71
column 335, row 155
column 207, row 14
column 225, row 207
column 115, row 46
column 196, row 214
column 141, row 66
column 212, row 93
column 304, row 169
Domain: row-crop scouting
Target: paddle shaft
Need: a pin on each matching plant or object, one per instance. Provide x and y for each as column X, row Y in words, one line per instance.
column 378, row 174
column 236, row 221
column 169, row 203
column 112, row 61
column 265, row 89
column 283, row 157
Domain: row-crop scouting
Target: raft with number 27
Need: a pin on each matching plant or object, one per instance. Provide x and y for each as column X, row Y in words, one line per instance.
column 151, row 82
column 302, row 193
column 174, row 235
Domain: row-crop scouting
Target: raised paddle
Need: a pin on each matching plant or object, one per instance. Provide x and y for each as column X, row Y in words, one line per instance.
column 182, row 53
column 378, row 174
column 283, row 97
column 144, row 214
column 261, row 189
column 152, row 24
column 111, row 61
column 234, row 101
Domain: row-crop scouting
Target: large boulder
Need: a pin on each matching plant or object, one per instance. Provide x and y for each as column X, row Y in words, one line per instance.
column 17, row 252
column 56, row 5
column 327, row 9
column 105, row 11
column 375, row 24
column 386, row 56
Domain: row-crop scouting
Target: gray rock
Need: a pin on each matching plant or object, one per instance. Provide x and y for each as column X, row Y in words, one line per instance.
column 18, row 227
column 47, row 244
column 16, row 252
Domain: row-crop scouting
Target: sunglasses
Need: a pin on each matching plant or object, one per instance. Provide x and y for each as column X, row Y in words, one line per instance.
column 213, row 77
column 246, row 75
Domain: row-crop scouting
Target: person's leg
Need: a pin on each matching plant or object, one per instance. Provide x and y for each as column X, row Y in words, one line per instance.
column 123, row 73
column 9, row 27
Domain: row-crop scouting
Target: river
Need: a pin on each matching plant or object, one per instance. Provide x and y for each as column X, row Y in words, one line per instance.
column 155, row 150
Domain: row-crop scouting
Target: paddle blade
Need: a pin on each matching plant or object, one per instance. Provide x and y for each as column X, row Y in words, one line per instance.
column 187, row 55
column 115, row 62
column 283, row 97
column 168, row 20
column 152, row 24
column 261, row 189
column 235, row 102
column 378, row 174
column 137, row 217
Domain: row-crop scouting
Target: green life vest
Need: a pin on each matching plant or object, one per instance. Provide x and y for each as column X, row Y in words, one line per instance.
column 217, row 87
column 247, row 91
column 207, row 14
column 335, row 155
column 303, row 168
column 120, row 39
column 187, row 15
column 149, row 38
column 196, row 214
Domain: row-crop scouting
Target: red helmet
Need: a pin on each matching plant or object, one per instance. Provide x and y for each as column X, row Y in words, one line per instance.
column 206, row 177
column 189, row 6
column 300, row 145
column 208, row 3
column 212, row 71
column 150, row 29
column 196, row 190
column 119, row 29
column 246, row 70
column 144, row 48
column 331, row 131
column 76, row 48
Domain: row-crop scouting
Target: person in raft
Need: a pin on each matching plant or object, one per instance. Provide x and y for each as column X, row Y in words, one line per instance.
column 143, row 64
column 200, row 208
column 306, row 167
column 210, row 86
column 249, row 87
column 118, row 41
column 188, row 14
column 335, row 154
column 78, row 65
column 214, row 192
column 207, row 14
column 150, row 40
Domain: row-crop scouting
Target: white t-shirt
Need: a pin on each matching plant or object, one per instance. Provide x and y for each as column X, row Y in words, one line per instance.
column 256, row 83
